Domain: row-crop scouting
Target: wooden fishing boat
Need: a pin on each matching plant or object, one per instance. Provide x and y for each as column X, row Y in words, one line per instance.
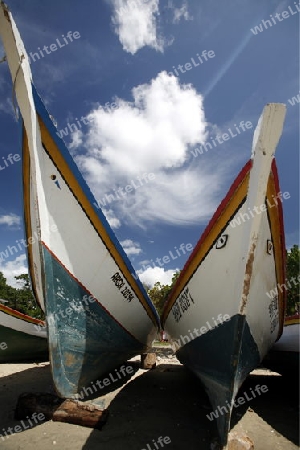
column 97, row 311
column 218, row 315
column 284, row 355
column 22, row 338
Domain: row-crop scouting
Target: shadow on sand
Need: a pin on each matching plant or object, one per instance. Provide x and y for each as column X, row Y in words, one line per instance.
column 166, row 401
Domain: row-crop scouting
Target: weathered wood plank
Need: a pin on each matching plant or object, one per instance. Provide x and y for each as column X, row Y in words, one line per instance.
column 72, row 411
column 59, row 410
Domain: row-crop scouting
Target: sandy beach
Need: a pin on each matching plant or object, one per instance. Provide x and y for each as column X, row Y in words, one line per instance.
column 167, row 401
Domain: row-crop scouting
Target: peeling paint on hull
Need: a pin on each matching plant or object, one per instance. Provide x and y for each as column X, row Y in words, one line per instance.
column 87, row 342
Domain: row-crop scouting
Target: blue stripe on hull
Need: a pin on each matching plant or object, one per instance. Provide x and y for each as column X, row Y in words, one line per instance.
column 222, row 358
column 85, row 342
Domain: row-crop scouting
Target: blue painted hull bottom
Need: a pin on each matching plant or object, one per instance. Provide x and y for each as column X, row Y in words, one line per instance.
column 85, row 342
column 222, row 359
column 22, row 347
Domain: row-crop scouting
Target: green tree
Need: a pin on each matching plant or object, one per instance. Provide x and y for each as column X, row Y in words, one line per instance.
column 21, row 299
column 25, row 299
column 2, row 282
column 7, row 292
column 159, row 293
column 293, row 278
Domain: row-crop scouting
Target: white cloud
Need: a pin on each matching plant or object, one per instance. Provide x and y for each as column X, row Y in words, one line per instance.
column 153, row 274
column 10, row 220
column 113, row 221
column 11, row 269
column 152, row 134
column 181, row 13
column 179, row 198
column 135, row 22
column 76, row 140
column 145, row 262
column 130, row 247
column 153, row 131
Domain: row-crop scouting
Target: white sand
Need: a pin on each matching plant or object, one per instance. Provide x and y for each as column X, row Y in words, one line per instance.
column 165, row 401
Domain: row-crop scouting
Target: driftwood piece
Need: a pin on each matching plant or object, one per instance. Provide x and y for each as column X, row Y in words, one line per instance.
column 59, row 410
column 148, row 360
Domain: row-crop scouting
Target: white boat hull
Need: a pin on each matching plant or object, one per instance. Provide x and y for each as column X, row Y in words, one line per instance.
column 97, row 311
column 219, row 316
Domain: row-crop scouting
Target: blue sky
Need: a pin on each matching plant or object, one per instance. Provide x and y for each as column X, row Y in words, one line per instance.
column 140, row 87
